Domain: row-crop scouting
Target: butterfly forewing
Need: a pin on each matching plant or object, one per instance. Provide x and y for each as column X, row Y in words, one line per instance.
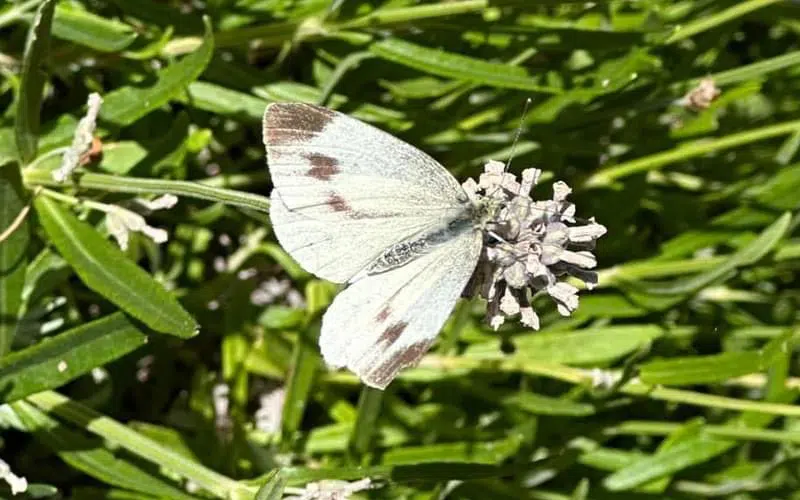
column 344, row 190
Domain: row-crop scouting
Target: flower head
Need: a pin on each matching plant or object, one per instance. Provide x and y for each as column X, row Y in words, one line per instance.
column 701, row 96
column 530, row 246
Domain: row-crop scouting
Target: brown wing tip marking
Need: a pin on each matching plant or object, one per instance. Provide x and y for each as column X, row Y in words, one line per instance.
column 338, row 203
column 323, row 167
column 294, row 122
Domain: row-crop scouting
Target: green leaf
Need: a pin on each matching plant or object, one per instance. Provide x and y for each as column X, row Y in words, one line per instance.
column 485, row 452
column 671, row 460
column 583, row 347
column 369, row 409
column 15, row 231
column 538, row 404
column 701, row 369
column 274, row 484
column 54, row 362
column 224, row 101
column 126, row 105
column 746, row 256
column 446, row 64
column 305, row 362
column 109, row 272
column 89, row 455
column 138, row 444
column 85, row 28
column 32, row 80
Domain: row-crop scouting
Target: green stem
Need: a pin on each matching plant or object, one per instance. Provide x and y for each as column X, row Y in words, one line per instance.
column 583, row 377
column 724, row 16
column 382, row 17
column 18, row 12
column 639, row 428
column 369, row 409
column 684, row 152
column 119, row 184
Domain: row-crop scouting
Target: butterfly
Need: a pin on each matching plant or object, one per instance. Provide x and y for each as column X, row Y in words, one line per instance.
column 353, row 204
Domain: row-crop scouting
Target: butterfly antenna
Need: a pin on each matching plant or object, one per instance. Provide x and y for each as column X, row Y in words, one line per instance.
column 519, row 132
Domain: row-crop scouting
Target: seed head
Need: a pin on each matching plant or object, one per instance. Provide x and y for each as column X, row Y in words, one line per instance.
column 530, row 246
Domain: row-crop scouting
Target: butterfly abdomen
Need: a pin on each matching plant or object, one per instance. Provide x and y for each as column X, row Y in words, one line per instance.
column 407, row 250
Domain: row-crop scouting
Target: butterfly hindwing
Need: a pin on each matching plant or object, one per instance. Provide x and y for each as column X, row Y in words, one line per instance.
column 385, row 322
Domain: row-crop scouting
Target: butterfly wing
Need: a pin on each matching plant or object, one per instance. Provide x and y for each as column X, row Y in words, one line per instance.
column 345, row 191
column 385, row 322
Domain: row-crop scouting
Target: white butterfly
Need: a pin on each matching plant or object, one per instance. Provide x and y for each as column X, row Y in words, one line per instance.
column 353, row 204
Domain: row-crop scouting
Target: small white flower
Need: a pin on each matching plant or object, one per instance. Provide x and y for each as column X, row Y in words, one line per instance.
column 121, row 222
column 16, row 483
column 332, row 490
column 81, row 141
column 163, row 202
column 268, row 415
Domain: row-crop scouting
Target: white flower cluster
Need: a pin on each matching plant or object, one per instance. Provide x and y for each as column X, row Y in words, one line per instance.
column 530, row 246
column 81, row 141
column 121, row 221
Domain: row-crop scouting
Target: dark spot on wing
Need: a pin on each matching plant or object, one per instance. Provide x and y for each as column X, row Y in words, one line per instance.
column 294, row 123
column 392, row 333
column 338, row 204
column 385, row 312
column 384, row 373
column 323, row 167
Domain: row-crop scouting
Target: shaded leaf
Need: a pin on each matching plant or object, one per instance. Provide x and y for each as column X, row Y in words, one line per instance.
column 108, row 271
column 128, row 104
column 449, row 65
column 32, row 80
column 15, row 228
column 85, row 28
column 54, row 362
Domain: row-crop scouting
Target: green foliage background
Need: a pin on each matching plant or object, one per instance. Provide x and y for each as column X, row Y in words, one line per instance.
column 693, row 321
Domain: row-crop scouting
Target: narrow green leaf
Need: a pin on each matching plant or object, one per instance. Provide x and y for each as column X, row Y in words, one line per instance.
column 224, row 101
column 128, row 104
column 447, row 64
column 588, row 346
column 545, row 405
column 701, row 369
column 675, row 458
column 109, row 429
column 85, row 28
column 707, row 22
column 746, row 256
column 89, row 456
column 485, row 452
column 108, row 271
column 15, row 231
column 369, row 409
column 274, row 484
column 305, row 360
column 56, row 361
column 32, row 80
